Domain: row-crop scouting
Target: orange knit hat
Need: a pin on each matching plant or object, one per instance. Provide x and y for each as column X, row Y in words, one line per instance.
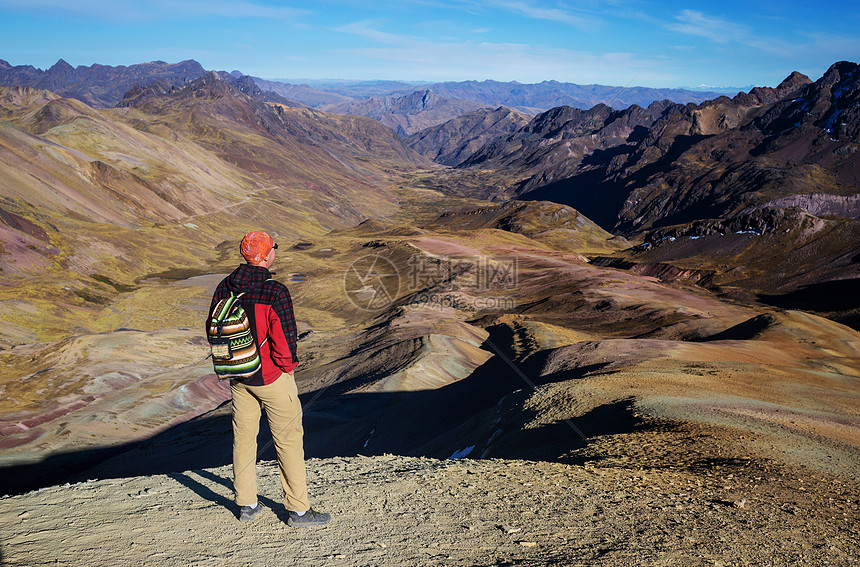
column 256, row 246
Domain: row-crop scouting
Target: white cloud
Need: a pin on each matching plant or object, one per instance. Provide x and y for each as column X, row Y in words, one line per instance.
column 534, row 11
column 789, row 46
column 716, row 29
column 368, row 30
column 835, row 46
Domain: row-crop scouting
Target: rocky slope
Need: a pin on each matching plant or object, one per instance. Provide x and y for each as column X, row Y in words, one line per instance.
column 345, row 137
column 454, row 141
column 614, row 419
column 533, row 352
column 767, row 251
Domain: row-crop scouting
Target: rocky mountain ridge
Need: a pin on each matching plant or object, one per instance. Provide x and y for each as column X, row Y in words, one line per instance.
column 100, row 86
column 438, row 102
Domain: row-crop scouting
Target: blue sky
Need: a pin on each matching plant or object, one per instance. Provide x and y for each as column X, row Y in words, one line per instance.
column 611, row 42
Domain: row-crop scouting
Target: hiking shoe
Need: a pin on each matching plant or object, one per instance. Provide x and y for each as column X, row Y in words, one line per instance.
column 309, row 518
column 246, row 513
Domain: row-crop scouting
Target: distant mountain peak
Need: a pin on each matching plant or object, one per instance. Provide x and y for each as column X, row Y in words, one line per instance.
column 794, row 81
column 422, row 100
column 60, row 65
column 843, row 67
column 767, row 95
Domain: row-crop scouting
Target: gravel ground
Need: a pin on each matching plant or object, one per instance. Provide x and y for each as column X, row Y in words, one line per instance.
column 392, row 510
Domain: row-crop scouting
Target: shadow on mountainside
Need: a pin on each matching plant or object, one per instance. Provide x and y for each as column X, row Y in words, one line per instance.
column 599, row 194
column 202, row 442
column 422, row 423
column 838, row 300
column 587, row 192
column 430, row 423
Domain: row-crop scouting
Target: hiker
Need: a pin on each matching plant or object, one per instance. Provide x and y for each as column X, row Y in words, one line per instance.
column 271, row 387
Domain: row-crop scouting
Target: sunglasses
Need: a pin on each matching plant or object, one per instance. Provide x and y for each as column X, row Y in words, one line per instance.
column 275, row 246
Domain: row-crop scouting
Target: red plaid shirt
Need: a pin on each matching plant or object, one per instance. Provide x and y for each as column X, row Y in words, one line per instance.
column 270, row 308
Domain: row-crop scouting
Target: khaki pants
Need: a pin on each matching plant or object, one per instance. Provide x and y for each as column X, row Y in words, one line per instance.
column 284, row 412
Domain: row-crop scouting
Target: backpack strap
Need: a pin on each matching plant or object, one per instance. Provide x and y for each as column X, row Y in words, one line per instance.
column 226, row 307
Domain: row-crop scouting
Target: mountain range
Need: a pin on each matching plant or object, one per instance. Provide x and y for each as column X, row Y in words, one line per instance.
column 196, row 154
column 668, row 163
column 100, row 86
column 529, row 98
column 537, row 97
column 396, row 104
column 742, row 188
column 652, row 172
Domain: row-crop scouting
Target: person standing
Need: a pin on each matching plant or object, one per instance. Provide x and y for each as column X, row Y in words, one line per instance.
column 272, row 388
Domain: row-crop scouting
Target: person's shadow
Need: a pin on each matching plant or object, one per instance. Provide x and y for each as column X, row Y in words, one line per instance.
column 204, row 491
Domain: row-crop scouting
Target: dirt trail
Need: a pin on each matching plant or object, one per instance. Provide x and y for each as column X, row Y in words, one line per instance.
column 391, row 510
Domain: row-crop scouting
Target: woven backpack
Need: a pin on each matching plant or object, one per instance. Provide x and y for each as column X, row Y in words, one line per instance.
column 234, row 351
